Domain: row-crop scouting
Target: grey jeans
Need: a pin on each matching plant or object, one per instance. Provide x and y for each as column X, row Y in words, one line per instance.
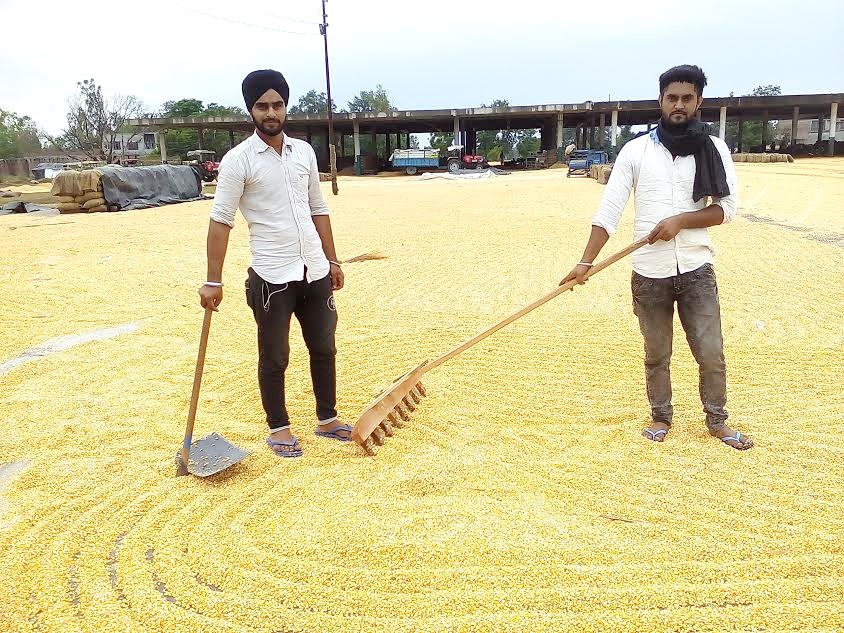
column 696, row 295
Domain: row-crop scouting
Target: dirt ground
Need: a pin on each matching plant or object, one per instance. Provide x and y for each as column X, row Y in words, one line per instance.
column 520, row 497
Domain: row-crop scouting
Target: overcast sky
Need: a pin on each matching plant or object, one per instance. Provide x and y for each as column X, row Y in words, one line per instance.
column 427, row 54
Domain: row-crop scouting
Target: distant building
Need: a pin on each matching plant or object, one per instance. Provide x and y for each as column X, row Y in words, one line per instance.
column 127, row 147
column 807, row 131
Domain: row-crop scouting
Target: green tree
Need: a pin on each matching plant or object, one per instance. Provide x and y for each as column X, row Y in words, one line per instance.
column 312, row 102
column 18, row 135
column 215, row 109
column 219, row 140
column 768, row 90
column 441, row 141
column 182, row 140
column 372, row 101
column 528, row 142
column 182, row 108
column 752, row 130
column 492, row 143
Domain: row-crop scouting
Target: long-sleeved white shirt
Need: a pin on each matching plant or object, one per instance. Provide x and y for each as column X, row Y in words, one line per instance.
column 663, row 187
column 277, row 195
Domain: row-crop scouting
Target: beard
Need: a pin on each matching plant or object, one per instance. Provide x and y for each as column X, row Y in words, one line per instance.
column 676, row 126
column 277, row 128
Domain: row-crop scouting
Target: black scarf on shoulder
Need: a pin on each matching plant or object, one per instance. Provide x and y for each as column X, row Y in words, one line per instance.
column 694, row 139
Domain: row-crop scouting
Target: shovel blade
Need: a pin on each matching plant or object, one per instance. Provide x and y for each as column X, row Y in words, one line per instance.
column 212, row 454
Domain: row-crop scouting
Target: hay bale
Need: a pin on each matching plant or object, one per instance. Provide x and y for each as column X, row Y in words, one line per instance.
column 69, row 207
column 96, row 202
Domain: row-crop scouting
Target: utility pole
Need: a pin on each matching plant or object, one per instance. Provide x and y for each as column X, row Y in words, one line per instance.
column 332, row 151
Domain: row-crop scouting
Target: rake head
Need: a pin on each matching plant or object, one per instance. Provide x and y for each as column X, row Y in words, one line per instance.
column 390, row 410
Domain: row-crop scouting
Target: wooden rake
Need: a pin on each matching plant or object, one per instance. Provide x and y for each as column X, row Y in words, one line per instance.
column 393, row 406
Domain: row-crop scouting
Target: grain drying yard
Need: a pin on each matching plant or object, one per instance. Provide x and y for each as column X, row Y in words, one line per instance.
column 521, row 496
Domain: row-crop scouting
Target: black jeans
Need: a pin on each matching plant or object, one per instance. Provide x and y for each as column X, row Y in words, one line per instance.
column 696, row 294
column 313, row 305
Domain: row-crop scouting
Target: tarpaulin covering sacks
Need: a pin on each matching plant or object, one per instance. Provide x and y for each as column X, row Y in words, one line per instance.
column 142, row 187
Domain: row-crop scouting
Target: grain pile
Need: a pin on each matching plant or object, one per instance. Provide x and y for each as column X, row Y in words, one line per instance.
column 521, row 497
column 79, row 192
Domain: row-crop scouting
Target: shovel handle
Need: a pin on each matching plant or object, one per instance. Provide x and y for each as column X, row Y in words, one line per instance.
column 197, row 380
column 542, row 300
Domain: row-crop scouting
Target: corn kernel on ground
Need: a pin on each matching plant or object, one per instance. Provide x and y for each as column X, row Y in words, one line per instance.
column 520, row 497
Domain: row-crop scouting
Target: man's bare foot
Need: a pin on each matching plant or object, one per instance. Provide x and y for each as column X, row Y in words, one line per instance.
column 733, row 438
column 657, row 431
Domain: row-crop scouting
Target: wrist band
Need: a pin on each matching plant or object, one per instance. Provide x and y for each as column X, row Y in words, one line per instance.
column 331, row 261
column 585, row 264
column 214, row 284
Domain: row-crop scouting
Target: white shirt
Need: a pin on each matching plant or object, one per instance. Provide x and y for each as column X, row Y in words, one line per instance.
column 663, row 186
column 277, row 195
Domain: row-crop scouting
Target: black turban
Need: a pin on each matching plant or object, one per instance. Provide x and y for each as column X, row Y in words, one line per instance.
column 259, row 81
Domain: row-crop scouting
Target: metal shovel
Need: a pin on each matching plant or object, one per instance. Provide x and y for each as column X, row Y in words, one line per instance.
column 213, row 453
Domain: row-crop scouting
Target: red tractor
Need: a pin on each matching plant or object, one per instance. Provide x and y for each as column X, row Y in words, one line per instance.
column 457, row 160
column 207, row 160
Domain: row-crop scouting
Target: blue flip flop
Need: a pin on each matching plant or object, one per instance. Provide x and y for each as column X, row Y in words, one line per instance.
column 334, row 434
column 737, row 438
column 296, row 452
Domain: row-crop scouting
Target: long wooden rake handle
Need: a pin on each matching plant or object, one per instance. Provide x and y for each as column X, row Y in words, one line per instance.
column 545, row 299
column 194, row 398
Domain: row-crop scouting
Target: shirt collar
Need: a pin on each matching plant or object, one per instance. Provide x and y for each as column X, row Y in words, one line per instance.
column 260, row 146
column 655, row 137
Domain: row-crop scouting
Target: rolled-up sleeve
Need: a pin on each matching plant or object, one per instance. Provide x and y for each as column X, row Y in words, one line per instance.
column 230, row 182
column 617, row 192
column 729, row 204
column 316, row 201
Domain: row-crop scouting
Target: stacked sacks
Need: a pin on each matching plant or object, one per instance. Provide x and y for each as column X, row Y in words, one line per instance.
column 762, row 158
column 601, row 173
column 604, row 174
column 79, row 192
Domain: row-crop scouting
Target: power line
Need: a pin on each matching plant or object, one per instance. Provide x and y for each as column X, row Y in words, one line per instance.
column 281, row 17
column 254, row 26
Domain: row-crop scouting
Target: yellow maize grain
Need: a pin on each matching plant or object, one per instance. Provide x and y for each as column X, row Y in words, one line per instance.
column 519, row 496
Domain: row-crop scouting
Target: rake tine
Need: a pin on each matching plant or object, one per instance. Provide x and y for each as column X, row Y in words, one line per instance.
column 369, row 447
column 421, row 389
column 388, row 428
column 404, row 415
column 395, row 420
column 409, row 403
column 415, row 396
column 378, row 436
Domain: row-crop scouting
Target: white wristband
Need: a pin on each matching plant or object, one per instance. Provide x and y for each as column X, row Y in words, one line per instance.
column 585, row 264
column 331, row 261
column 213, row 284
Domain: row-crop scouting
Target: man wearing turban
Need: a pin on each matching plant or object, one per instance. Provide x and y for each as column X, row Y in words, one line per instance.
column 274, row 180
